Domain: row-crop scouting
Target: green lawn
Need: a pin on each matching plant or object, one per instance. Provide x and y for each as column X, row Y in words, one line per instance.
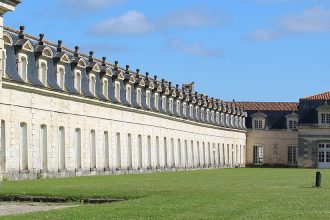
column 208, row 194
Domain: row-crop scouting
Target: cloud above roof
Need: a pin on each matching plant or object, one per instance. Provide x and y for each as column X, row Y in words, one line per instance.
column 312, row 20
column 135, row 22
column 196, row 49
column 91, row 4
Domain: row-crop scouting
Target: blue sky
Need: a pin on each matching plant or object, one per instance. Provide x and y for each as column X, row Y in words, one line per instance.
column 247, row 50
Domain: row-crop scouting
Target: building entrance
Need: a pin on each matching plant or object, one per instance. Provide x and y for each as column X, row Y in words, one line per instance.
column 324, row 155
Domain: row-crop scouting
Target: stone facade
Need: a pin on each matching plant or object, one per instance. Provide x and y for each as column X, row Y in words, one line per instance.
column 67, row 114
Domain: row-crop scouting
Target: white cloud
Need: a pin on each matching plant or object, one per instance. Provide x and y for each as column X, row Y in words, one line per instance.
column 191, row 17
column 91, row 4
column 196, row 49
column 263, row 34
column 313, row 20
column 134, row 22
column 316, row 19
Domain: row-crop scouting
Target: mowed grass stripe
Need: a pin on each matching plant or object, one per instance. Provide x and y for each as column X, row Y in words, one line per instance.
column 203, row 194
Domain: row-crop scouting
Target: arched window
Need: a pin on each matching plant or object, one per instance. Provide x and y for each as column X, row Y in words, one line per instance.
column 149, row 151
column 156, row 96
column 78, row 148
column 227, row 120
column 208, row 115
column 118, row 151
column 106, row 149
column 105, row 88
column 197, row 112
column 129, row 151
column 184, row 109
column 23, row 146
column 148, row 96
column 202, row 114
column 60, row 76
column 139, row 151
column 42, row 72
column 138, row 96
column 164, row 103
column 22, row 66
column 43, row 147
column 92, row 84
column 171, row 105
column 157, row 152
column 217, row 118
column 222, row 119
column 2, row 146
column 178, row 107
column 117, row 90
column 61, row 147
column 128, row 94
column 92, row 149
column 191, row 110
column 212, row 116
column 77, row 80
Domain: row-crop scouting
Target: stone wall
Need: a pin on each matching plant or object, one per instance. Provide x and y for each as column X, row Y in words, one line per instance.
column 275, row 146
column 37, row 106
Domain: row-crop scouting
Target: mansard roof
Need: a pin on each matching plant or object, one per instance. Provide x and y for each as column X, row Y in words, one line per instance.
column 269, row 106
column 318, row 97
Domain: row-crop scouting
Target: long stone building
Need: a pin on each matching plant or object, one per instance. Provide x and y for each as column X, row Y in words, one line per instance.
column 64, row 113
column 67, row 114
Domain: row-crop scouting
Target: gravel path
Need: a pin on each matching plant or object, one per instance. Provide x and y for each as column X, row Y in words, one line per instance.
column 13, row 208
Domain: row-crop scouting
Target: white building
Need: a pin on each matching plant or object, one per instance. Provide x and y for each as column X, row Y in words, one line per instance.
column 66, row 114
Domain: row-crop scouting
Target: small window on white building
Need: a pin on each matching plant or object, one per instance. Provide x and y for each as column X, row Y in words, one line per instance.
column 129, row 94
column 22, row 66
column 178, row 106
column 138, row 96
column 60, row 76
column 77, row 80
column 258, row 124
column 258, row 155
column 42, row 72
column 156, row 97
column 92, row 83
column 258, row 120
column 105, row 87
column 170, row 105
column 148, row 97
column 117, row 90
column 164, row 103
column 184, row 109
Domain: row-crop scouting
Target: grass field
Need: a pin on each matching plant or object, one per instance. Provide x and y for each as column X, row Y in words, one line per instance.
column 208, row 194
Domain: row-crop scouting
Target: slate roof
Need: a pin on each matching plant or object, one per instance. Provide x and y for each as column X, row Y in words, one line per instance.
column 320, row 96
column 269, row 106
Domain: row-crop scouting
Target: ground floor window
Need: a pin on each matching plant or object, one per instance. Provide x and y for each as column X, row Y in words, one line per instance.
column 324, row 153
column 258, row 155
column 292, row 155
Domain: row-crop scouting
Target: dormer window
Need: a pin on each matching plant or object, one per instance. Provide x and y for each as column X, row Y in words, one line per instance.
column 291, row 121
column 191, row 110
column 148, row 96
column 77, row 80
column 105, row 87
column 22, row 66
column 178, row 106
column 164, row 103
column 207, row 115
column 184, row 109
column 129, row 94
column 197, row 112
column 42, row 72
column 156, row 100
column 92, row 83
column 325, row 118
column 171, row 105
column 202, row 114
column 217, row 118
column 138, row 96
column 258, row 120
column 117, row 90
column 60, row 76
column 258, row 124
column 222, row 118
column 227, row 120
